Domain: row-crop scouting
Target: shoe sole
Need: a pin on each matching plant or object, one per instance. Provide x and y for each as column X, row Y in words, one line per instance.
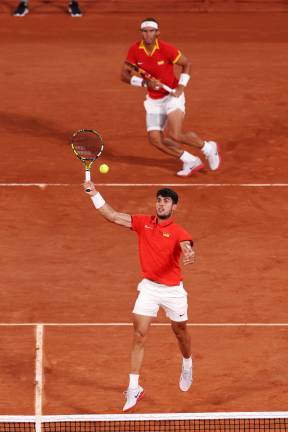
column 21, row 15
column 185, row 389
column 138, row 399
column 196, row 169
column 77, row 15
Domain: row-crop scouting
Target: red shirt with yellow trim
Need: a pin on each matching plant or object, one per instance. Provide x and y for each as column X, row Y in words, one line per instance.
column 159, row 248
column 159, row 63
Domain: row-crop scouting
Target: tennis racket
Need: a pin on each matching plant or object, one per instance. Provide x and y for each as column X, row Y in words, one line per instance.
column 147, row 76
column 88, row 145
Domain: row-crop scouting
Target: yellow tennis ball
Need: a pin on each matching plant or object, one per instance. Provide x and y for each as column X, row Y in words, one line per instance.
column 104, row 169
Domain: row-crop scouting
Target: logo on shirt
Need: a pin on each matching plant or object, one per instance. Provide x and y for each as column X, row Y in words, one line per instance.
column 166, row 234
column 160, row 62
column 147, row 226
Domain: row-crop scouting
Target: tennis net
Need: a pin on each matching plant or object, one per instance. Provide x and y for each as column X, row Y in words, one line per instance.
column 182, row 422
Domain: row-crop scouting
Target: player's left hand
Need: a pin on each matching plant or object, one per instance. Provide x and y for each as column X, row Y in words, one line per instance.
column 178, row 91
column 188, row 254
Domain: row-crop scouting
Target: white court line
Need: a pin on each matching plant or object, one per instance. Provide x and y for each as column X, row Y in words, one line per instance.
column 130, row 324
column 39, row 376
column 252, row 185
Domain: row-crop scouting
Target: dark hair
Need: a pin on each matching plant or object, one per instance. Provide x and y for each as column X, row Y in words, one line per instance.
column 150, row 19
column 166, row 192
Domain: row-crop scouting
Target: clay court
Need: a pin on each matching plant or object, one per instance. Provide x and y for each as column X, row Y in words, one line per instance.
column 64, row 267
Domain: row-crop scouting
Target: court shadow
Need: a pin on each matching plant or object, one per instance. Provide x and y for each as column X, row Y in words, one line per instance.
column 168, row 164
column 32, row 126
column 24, row 125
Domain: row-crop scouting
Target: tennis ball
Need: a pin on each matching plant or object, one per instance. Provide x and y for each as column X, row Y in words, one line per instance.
column 104, row 169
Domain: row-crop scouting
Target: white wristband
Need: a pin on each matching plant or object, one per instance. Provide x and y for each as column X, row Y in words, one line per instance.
column 98, row 200
column 184, row 79
column 136, row 81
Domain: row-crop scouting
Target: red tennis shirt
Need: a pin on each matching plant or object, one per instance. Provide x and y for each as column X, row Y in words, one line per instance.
column 159, row 63
column 159, row 248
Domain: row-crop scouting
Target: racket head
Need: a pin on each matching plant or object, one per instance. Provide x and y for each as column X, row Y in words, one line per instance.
column 88, row 145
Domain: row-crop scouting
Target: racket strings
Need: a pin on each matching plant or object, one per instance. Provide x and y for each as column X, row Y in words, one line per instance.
column 87, row 145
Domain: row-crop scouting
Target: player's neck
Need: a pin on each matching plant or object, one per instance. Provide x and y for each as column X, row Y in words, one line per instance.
column 150, row 46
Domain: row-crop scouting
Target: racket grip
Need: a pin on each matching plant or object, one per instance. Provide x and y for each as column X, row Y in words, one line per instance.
column 168, row 89
column 87, row 178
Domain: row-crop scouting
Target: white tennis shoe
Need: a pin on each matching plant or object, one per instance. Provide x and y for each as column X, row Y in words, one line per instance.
column 132, row 397
column 191, row 167
column 185, row 379
column 212, row 154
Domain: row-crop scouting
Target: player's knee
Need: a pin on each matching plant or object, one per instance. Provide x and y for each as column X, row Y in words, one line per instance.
column 139, row 336
column 156, row 141
column 139, row 340
column 179, row 329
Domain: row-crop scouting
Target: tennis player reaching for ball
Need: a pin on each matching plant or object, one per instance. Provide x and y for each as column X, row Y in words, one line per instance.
column 164, row 110
column 161, row 242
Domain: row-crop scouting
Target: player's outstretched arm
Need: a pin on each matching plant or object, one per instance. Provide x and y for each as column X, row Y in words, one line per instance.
column 105, row 209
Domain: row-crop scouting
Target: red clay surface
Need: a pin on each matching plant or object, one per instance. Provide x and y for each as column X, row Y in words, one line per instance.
column 61, row 262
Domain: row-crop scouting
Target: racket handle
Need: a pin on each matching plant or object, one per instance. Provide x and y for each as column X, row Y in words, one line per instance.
column 87, row 178
column 168, row 89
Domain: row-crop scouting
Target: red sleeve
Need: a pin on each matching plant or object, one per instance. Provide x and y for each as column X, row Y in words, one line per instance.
column 184, row 235
column 137, row 223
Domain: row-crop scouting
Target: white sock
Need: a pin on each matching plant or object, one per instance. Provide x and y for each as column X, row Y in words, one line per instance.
column 206, row 148
column 133, row 381
column 187, row 363
column 187, row 157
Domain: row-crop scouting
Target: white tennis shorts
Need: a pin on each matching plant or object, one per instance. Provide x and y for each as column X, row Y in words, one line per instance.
column 157, row 110
column 152, row 296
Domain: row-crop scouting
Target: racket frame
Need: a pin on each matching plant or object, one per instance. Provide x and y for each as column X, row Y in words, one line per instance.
column 87, row 161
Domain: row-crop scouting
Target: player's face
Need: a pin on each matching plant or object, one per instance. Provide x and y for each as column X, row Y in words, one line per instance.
column 164, row 207
column 149, row 35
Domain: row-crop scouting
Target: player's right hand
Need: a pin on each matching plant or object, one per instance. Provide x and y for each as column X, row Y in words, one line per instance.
column 89, row 188
column 154, row 84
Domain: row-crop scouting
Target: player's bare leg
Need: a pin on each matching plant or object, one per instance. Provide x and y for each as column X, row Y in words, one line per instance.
column 135, row 392
column 183, row 337
column 175, row 131
column 169, row 146
column 141, row 325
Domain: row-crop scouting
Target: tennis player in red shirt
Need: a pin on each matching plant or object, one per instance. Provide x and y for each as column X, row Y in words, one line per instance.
column 161, row 242
column 164, row 110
